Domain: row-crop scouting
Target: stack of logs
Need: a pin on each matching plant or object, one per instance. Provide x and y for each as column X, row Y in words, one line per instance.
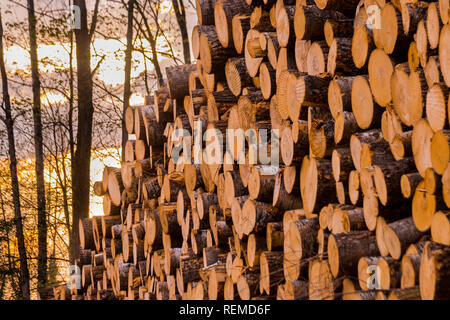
column 358, row 92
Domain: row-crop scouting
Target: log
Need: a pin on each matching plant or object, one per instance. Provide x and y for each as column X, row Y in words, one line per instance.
column 321, row 138
column 339, row 57
column 387, row 178
column 267, row 80
column 396, row 40
column 108, row 208
column 347, row 218
column 342, row 28
column 224, row 11
column 423, row 50
column 389, row 273
column 255, row 246
column 347, row 7
column 316, row 59
column 237, row 75
column 443, row 53
column 358, row 140
column 240, row 25
column 300, row 243
column 412, row 13
column 432, row 71
column 433, row 278
column 408, row 183
column 205, row 11
column 440, row 227
column 339, row 95
column 433, row 24
column 309, row 21
column 350, row 291
column 251, row 63
column 162, row 105
column 274, row 236
column 362, row 46
column 178, row 80
column 367, row 113
column 301, row 53
column 313, row 91
column 399, row 235
column 86, row 234
column 216, row 282
column 322, row 286
column 380, row 71
column 271, row 271
column 345, row 249
column 273, row 49
column 412, row 293
column 233, row 186
column 212, row 54
column 260, row 19
column 115, row 186
column 151, row 188
column 285, row 25
column 142, row 116
column 291, row 179
column 261, row 182
column 342, row 164
column 281, row 198
column 401, row 145
column 436, row 103
column 296, row 290
column 316, row 183
column 252, row 107
column 410, row 267
column 256, row 215
column 247, row 285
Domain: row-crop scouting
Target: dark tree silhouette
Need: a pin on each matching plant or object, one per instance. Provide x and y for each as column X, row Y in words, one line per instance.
column 24, row 280
column 39, row 154
column 82, row 158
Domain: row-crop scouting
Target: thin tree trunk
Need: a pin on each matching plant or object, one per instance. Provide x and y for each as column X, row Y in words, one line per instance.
column 152, row 41
column 127, row 84
column 180, row 13
column 8, row 245
column 82, row 159
column 9, row 122
column 38, row 149
column 71, row 138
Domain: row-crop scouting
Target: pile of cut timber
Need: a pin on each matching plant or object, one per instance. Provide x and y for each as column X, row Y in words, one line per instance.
column 357, row 208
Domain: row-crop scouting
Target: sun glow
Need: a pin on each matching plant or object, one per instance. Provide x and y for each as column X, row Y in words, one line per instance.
column 107, row 59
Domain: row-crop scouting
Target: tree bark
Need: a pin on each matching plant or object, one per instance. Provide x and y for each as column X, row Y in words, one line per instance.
column 127, row 84
column 24, row 280
column 82, row 158
column 38, row 148
column 180, row 13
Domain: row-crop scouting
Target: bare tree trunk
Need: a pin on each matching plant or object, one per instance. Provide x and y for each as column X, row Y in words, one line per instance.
column 152, row 41
column 9, row 122
column 71, row 140
column 127, row 84
column 180, row 13
column 8, row 244
column 82, row 159
column 38, row 149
